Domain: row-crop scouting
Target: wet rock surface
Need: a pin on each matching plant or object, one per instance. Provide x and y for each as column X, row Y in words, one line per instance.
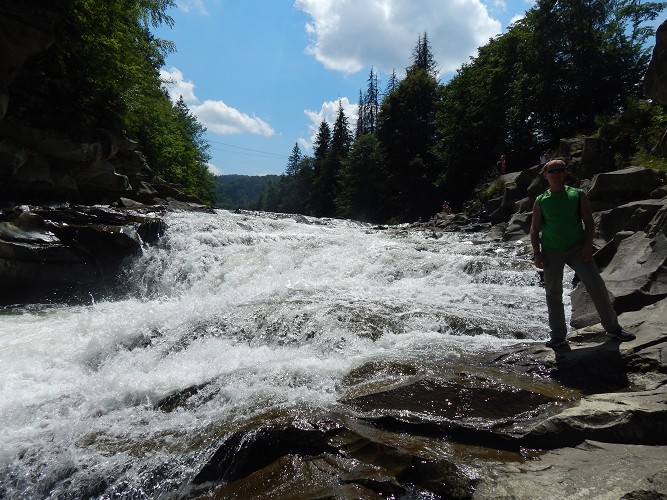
column 57, row 253
column 591, row 470
column 70, row 252
column 588, row 420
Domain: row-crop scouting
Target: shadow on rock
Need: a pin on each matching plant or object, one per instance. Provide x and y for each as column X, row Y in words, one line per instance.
column 592, row 368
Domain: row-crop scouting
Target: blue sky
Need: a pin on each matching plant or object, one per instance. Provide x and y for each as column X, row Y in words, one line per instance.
column 261, row 75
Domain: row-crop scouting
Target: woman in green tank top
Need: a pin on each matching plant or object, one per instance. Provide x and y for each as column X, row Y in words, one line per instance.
column 561, row 219
column 558, row 238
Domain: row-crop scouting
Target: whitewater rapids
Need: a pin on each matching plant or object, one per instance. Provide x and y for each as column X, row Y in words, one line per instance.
column 270, row 313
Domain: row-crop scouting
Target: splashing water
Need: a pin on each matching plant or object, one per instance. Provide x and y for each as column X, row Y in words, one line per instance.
column 262, row 314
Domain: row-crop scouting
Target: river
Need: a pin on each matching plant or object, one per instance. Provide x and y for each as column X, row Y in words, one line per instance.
column 269, row 314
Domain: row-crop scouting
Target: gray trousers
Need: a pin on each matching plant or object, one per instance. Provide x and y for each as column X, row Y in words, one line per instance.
column 554, row 263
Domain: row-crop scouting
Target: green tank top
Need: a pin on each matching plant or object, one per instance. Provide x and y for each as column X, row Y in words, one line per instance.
column 561, row 219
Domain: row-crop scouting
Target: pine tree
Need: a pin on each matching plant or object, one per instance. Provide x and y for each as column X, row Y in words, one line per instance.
column 422, row 57
column 293, row 161
column 326, row 176
column 322, row 141
column 360, row 117
column 371, row 103
column 341, row 138
column 392, row 83
column 407, row 132
column 363, row 182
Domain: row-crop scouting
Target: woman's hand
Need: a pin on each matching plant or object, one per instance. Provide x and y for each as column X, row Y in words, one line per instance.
column 586, row 253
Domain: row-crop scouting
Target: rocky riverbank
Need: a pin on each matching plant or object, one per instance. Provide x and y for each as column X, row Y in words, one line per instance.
column 72, row 253
column 586, row 421
column 630, row 212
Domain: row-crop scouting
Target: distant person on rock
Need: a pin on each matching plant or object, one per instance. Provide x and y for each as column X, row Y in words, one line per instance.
column 446, row 209
column 500, row 166
column 543, row 158
column 558, row 238
column 546, row 156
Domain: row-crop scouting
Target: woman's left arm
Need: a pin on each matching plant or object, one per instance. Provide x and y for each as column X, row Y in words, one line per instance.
column 589, row 227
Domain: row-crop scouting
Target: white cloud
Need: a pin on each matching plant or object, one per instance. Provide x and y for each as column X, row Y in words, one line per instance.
column 349, row 35
column 192, row 5
column 305, row 145
column 214, row 169
column 175, row 83
column 216, row 116
column 328, row 112
column 517, row 17
column 499, row 5
column 225, row 120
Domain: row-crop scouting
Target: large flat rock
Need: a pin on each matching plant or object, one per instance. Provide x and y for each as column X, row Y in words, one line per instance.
column 591, row 470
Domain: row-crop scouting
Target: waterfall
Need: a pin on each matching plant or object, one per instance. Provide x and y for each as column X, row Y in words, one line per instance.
column 255, row 316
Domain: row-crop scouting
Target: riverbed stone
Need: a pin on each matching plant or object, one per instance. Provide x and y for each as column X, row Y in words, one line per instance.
column 628, row 183
column 633, row 216
column 47, row 253
column 635, row 277
column 591, row 470
column 625, row 417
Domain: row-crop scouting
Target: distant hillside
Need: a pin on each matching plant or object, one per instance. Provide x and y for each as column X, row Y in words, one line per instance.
column 240, row 191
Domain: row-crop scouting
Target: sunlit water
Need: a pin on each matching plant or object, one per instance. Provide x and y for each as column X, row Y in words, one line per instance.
column 271, row 313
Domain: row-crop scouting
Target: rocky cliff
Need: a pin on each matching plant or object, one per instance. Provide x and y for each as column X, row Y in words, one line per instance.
column 48, row 163
column 71, row 210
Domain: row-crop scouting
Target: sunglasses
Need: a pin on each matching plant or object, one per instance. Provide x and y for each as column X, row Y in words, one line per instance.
column 555, row 170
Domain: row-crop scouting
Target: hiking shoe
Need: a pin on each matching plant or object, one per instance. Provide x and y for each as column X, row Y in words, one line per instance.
column 622, row 335
column 555, row 343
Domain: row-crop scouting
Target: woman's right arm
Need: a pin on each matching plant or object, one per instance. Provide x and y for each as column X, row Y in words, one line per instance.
column 535, row 228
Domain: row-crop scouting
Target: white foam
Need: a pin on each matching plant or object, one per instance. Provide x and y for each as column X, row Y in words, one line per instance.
column 270, row 313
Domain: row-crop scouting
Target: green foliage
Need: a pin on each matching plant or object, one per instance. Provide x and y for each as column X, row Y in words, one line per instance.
column 102, row 74
column 638, row 129
column 369, row 106
column 325, row 185
column 341, row 138
column 638, row 135
column 422, row 57
column 554, row 74
column 241, row 191
column 407, row 130
column 322, row 141
column 494, row 189
column 363, row 181
column 269, row 199
column 293, row 161
column 557, row 69
column 650, row 160
column 482, row 194
column 291, row 192
column 595, row 57
column 105, row 59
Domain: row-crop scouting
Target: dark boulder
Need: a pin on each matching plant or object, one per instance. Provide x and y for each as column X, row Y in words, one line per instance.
column 655, row 81
column 61, row 253
column 636, row 276
column 633, row 216
column 632, row 183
